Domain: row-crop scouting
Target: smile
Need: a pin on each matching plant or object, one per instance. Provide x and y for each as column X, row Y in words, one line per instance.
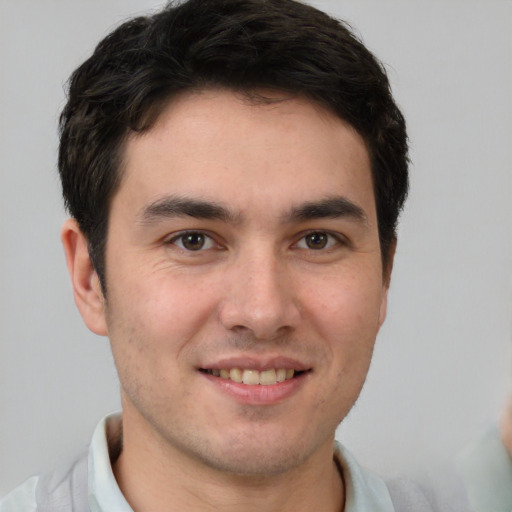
column 253, row 377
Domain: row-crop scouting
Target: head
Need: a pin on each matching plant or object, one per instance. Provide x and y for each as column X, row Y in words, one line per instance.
column 244, row 46
column 235, row 169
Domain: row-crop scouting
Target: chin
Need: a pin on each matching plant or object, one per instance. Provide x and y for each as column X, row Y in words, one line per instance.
column 256, row 453
column 256, row 462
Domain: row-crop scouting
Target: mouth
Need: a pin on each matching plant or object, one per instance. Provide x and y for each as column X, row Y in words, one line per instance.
column 252, row 377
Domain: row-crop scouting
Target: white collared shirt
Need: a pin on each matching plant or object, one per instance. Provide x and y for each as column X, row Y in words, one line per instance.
column 364, row 491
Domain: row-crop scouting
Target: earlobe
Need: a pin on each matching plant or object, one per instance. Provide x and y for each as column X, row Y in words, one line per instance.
column 86, row 285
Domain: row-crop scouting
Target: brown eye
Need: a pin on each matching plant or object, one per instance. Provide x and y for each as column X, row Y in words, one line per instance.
column 317, row 240
column 193, row 241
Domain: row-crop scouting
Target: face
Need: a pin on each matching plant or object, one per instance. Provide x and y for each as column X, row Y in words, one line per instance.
column 244, row 280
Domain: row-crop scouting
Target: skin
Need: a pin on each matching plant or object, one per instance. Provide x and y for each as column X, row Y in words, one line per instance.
column 256, row 290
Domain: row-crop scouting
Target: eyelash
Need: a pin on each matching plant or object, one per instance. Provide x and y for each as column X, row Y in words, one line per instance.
column 181, row 236
column 333, row 240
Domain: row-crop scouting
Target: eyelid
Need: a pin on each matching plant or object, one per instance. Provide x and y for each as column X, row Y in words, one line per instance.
column 340, row 240
column 172, row 239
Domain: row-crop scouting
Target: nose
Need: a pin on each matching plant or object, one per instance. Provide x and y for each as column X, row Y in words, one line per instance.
column 259, row 298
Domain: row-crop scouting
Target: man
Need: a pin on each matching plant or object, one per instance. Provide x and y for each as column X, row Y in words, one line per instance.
column 234, row 170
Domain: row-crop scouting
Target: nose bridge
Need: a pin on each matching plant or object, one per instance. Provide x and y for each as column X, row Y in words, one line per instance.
column 259, row 298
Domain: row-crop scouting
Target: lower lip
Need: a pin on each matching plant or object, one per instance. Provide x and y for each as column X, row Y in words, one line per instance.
column 258, row 394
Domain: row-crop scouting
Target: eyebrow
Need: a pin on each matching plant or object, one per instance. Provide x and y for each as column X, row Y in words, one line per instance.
column 332, row 207
column 175, row 206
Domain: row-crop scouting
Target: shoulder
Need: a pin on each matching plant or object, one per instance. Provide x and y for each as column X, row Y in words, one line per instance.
column 408, row 495
column 61, row 490
column 22, row 498
column 445, row 493
column 367, row 491
column 66, row 488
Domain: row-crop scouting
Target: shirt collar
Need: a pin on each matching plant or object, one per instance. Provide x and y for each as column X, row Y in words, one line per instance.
column 104, row 493
column 363, row 490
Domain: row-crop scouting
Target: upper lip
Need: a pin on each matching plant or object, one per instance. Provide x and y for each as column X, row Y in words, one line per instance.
column 256, row 363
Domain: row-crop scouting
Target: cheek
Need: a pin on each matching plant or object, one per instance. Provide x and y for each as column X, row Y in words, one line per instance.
column 152, row 326
column 347, row 307
column 345, row 314
column 162, row 306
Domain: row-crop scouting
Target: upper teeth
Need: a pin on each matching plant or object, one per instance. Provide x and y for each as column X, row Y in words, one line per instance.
column 254, row 377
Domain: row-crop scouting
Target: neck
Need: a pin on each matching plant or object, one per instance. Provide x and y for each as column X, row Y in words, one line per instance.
column 156, row 477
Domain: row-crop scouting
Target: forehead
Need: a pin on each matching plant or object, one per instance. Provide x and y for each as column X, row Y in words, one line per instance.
column 220, row 145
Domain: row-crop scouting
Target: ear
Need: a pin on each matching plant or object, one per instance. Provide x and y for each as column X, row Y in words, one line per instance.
column 86, row 284
column 386, row 280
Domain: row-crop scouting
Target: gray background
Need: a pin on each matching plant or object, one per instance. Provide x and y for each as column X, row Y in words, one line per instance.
column 442, row 363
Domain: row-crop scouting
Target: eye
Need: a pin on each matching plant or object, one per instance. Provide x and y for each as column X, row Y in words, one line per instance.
column 318, row 240
column 193, row 241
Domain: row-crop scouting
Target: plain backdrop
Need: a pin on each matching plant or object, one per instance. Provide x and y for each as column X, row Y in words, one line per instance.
column 442, row 363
